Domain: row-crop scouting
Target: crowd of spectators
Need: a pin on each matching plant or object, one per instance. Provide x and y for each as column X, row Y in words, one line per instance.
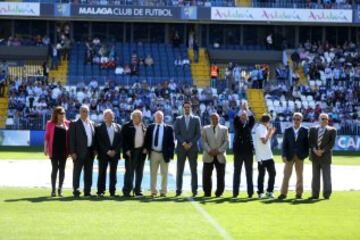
column 105, row 56
column 333, row 74
column 31, row 101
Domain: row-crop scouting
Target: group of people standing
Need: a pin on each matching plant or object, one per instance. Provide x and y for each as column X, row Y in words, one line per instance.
column 83, row 140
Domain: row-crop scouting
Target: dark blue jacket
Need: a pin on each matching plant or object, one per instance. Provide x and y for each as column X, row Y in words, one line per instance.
column 168, row 146
column 300, row 147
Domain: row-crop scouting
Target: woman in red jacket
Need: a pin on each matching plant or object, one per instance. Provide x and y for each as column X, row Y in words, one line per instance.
column 56, row 146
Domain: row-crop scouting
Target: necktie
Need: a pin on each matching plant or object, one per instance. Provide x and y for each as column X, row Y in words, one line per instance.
column 320, row 136
column 156, row 136
column 214, row 129
column 187, row 121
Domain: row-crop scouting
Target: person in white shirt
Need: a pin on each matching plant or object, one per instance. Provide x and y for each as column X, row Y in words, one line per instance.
column 264, row 155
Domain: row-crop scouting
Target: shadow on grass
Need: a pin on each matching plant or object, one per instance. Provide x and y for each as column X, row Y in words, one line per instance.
column 291, row 201
column 145, row 199
column 149, row 199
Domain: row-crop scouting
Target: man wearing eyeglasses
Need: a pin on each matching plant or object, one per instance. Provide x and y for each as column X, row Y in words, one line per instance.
column 295, row 148
column 321, row 141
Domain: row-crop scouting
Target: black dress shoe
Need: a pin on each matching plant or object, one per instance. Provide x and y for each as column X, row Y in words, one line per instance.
column 298, row 196
column 126, row 195
column 100, row 195
column 282, row 197
column 250, row 195
column 60, row 192
column 139, row 194
column 235, row 195
column 76, row 194
column 207, row 195
column 88, row 195
column 53, row 194
column 194, row 195
column 313, row 198
column 218, row 195
column 162, row 195
column 178, row 194
column 327, row 197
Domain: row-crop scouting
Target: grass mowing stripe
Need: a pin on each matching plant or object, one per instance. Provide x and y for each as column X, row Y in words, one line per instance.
column 224, row 234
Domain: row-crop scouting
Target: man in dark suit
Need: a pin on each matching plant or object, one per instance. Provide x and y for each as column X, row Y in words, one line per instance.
column 133, row 135
column 243, row 149
column 160, row 144
column 295, row 148
column 82, row 150
column 321, row 140
column 187, row 132
column 108, row 142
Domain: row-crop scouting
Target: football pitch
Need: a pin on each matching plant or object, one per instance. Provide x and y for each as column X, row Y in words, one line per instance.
column 29, row 213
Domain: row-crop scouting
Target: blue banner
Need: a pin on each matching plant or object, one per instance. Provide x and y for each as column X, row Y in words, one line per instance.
column 37, row 138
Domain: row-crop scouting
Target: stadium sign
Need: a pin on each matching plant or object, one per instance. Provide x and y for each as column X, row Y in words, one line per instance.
column 347, row 143
column 19, row 9
column 130, row 12
column 282, row 15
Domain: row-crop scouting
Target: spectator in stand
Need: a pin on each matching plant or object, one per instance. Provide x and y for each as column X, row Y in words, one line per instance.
column 178, row 62
column 196, row 51
column 176, row 40
column 54, row 57
column 149, row 61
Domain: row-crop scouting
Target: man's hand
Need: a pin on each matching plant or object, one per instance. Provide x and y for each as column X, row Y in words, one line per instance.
column 109, row 153
column 145, row 151
column 74, row 156
column 272, row 130
column 244, row 106
column 284, row 159
column 213, row 152
column 186, row 146
column 128, row 153
column 318, row 153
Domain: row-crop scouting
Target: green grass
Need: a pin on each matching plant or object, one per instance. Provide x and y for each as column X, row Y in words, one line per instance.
column 23, row 153
column 30, row 214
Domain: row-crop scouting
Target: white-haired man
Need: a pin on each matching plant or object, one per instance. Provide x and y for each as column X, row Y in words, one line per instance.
column 160, row 144
column 321, row 140
column 295, row 148
column 82, row 150
column 108, row 142
column 133, row 135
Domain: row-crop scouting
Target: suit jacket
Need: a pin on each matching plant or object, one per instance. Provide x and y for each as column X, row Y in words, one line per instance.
column 243, row 141
column 191, row 134
column 128, row 136
column 300, row 146
column 210, row 141
column 78, row 138
column 168, row 144
column 103, row 141
column 327, row 144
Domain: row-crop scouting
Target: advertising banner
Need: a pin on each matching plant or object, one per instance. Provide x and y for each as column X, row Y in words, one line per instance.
column 130, row 12
column 14, row 138
column 282, row 15
column 19, row 9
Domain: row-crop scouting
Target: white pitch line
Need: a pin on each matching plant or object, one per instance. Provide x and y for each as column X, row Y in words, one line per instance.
column 224, row 234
